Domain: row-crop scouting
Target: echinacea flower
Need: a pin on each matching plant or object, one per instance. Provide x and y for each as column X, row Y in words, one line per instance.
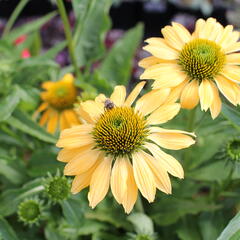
column 196, row 66
column 115, row 133
column 57, row 107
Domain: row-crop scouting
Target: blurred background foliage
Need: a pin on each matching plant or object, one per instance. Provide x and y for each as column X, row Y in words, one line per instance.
column 35, row 49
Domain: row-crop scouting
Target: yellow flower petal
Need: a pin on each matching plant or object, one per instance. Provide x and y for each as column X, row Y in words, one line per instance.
column 118, row 96
column 83, row 180
column 92, row 109
column 163, row 130
column 165, row 160
column 143, row 176
column 151, row 101
column 233, row 48
column 181, row 32
column 161, row 177
column 63, row 121
column 233, row 59
column 232, row 73
column 150, row 61
column 133, row 95
column 45, row 117
column 189, row 96
column 81, row 162
column 171, row 140
column 164, row 113
column 216, row 106
column 119, row 177
column 227, row 89
column 76, row 136
column 205, row 94
column 53, row 122
column 100, row 181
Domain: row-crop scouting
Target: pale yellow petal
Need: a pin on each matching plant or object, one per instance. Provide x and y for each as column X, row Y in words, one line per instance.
column 118, row 96
column 131, row 193
column 66, row 155
column 100, row 182
column 163, row 130
column 227, row 89
column 171, row 37
column 159, row 48
column 134, row 94
column 189, row 96
column 151, row 101
column 168, row 162
column 92, row 109
column 171, row 140
column 205, row 94
column 71, row 117
column 233, row 59
column 232, row 73
column 83, row 180
column 164, row 113
column 77, row 136
column 45, row 116
column 233, row 48
column 181, row 32
column 144, row 177
column 216, row 106
column 199, row 25
column 69, row 78
column 63, row 121
column 42, row 107
column 81, row 162
column 119, row 177
column 160, row 174
column 150, row 61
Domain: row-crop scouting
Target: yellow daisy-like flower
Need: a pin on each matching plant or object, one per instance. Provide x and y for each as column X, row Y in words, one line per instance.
column 196, row 66
column 115, row 133
column 57, row 107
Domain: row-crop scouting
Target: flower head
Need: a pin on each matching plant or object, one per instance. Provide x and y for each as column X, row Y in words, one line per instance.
column 116, row 133
column 196, row 66
column 57, row 107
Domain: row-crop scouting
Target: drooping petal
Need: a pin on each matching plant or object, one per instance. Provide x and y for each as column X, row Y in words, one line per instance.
column 100, row 182
column 76, row 136
column 133, row 95
column 118, row 96
column 164, row 113
column 171, row 140
column 119, row 177
column 53, row 122
column 216, row 106
column 44, row 118
column 81, row 162
column 205, row 94
column 167, row 161
column 144, row 177
column 227, row 89
column 151, row 101
column 189, row 96
column 161, row 177
column 63, row 121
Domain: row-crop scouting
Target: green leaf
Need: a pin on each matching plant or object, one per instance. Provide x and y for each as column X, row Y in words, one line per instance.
column 232, row 228
column 29, row 27
column 24, row 123
column 80, row 8
column 51, row 233
column 116, row 67
column 8, row 104
column 142, row 223
column 15, row 196
column 13, row 175
column 90, row 45
column 6, row 231
column 72, row 211
column 232, row 114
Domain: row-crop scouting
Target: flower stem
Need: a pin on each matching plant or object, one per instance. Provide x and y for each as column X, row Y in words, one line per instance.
column 14, row 16
column 68, row 34
column 190, row 128
column 139, row 204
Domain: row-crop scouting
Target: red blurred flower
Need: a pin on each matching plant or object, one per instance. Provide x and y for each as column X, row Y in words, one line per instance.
column 25, row 53
column 20, row 39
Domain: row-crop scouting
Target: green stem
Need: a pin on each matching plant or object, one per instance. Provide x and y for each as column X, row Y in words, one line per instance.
column 139, row 204
column 14, row 16
column 68, row 34
column 190, row 128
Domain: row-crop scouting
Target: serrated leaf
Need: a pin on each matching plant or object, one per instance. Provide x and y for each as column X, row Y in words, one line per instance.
column 24, row 123
column 6, row 231
column 231, row 229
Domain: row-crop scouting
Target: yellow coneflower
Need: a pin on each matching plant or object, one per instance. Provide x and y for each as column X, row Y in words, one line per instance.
column 115, row 133
column 57, row 107
column 196, row 66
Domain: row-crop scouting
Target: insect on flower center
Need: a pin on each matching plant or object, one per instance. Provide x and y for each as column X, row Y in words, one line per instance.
column 201, row 59
column 61, row 95
column 120, row 131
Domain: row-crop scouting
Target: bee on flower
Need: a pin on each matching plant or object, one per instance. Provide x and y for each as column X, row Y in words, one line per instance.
column 119, row 146
column 57, row 107
column 196, row 66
